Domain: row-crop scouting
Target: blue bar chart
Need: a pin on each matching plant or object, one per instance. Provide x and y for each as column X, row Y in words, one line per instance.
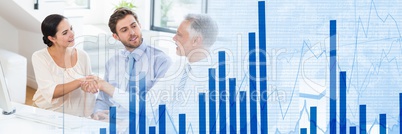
column 342, row 101
column 313, row 120
column 243, row 111
column 232, row 105
column 362, row 119
column 352, row 130
column 383, row 124
column 112, row 120
column 332, row 77
column 142, row 95
column 162, row 119
column 212, row 100
column 303, row 130
column 152, row 130
column 222, row 92
column 103, row 131
column 202, row 113
column 263, row 68
column 253, row 83
column 242, row 104
column 182, row 123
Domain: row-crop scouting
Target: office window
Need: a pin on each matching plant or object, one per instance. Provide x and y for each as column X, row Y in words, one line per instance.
column 77, row 4
column 166, row 15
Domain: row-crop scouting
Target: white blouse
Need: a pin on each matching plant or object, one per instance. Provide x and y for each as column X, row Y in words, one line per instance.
column 48, row 75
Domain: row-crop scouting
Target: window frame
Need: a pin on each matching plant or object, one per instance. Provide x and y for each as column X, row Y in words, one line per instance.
column 204, row 9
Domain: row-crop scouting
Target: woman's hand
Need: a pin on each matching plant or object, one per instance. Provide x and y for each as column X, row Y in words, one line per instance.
column 94, row 84
column 90, row 84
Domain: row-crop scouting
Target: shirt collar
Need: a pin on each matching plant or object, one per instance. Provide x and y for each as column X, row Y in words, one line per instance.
column 138, row 52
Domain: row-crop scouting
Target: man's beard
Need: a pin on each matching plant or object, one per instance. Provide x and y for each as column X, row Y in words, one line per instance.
column 128, row 45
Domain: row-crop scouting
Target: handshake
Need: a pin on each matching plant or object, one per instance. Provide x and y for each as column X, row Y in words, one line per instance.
column 92, row 84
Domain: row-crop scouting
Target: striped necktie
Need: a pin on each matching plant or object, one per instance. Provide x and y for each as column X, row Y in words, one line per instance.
column 184, row 77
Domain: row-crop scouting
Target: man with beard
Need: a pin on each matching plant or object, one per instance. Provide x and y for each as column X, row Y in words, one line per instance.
column 123, row 69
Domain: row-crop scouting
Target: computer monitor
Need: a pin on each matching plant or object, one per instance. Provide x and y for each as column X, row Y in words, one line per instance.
column 5, row 101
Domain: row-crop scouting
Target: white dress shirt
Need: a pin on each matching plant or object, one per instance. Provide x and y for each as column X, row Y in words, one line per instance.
column 153, row 62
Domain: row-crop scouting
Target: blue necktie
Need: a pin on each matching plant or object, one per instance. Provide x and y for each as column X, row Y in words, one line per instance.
column 131, row 69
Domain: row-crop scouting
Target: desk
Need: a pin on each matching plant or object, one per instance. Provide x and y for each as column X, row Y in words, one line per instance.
column 16, row 125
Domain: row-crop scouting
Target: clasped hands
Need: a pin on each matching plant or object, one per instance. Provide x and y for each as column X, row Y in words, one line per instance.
column 91, row 84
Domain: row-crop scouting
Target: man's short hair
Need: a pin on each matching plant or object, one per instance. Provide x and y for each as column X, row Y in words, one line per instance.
column 202, row 24
column 119, row 14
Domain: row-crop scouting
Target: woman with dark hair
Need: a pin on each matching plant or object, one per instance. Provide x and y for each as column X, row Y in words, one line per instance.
column 60, row 70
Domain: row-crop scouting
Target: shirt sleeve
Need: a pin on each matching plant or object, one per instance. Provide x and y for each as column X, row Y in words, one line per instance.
column 162, row 64
column 44, row 78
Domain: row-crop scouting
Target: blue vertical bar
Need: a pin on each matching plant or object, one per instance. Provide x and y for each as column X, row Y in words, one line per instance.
column 132, row 97
column 342, row 105
column 132, row 106
column 212, row 100
column 352, row 130
column 332, row 77
column 303, row 130
column 232, row 102
column 362, row 119
column 102, row 130
column 162, row 119
column 400, row 113
column 253, row 83
column 112, row 120
column 313, row 120
column 201, row 113
column 263, row 69
column 182, row 123
column 383, row 123
column 243, row 112
column 152, row 130
column 142, row 115
column 222, row 92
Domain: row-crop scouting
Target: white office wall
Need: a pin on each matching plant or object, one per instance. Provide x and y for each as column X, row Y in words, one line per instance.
column 21, row 42
column 102, row 9
column 143, row 11
column 98, row 12
column 45, row 8
column 8, row 36
column 29, row 42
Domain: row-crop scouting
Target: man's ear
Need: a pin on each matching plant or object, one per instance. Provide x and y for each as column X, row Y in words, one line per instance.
column 197, row 40
column 115, row 36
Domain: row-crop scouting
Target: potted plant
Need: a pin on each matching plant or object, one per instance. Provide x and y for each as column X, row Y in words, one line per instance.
column 127, row 4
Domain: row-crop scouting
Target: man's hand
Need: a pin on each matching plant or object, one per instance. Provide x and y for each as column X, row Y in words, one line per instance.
column 90, row 84
column 101, row 115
